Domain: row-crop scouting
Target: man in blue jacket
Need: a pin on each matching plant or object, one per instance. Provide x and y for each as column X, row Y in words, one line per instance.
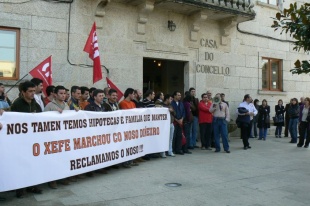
column 178, row 124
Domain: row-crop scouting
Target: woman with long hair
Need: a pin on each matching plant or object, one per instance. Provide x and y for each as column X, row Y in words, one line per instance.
column 303, row 123
column 293, row 112
column 263, row 119
column 279, row 108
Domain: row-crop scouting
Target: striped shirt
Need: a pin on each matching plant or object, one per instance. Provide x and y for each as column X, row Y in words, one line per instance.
column 148, row 103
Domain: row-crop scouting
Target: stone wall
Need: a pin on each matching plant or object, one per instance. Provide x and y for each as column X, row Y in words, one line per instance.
column 45, row 26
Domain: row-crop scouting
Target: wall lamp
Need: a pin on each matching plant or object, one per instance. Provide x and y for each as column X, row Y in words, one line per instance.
column 171, row 25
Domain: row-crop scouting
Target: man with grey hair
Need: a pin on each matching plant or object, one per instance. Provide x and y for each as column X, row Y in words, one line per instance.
column 221, row 117
column 137, row 96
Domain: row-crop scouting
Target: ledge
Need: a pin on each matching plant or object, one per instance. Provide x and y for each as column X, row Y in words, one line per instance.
column 271, row 6
column 279, row 93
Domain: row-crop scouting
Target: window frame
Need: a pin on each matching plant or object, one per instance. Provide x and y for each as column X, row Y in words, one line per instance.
column 269, row 74
column 268, row 2
column 17, row 57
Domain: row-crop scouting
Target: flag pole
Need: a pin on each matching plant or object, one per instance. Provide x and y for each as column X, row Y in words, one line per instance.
column 17, row 83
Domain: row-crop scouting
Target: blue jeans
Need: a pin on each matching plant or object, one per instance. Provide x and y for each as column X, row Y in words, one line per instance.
column 220, row 129
column 187, row 131
column 194, row 132
column 292, row 127
column 278, row 130
column 171, row 138
column 263, row 133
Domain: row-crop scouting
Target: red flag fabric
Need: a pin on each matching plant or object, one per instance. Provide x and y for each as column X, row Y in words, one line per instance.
column 43, row 71
column 112, row 86
column 91, row 47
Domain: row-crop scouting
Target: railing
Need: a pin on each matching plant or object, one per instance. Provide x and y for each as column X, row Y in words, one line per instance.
column 245, row 5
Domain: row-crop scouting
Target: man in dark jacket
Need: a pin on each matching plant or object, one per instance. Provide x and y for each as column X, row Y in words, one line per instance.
column 194, row 109
column 73, row 102
column 111, row 103
column 27, row 104
column 137, row 97
column 96, row 106
column 91, row 94
column 178, row 107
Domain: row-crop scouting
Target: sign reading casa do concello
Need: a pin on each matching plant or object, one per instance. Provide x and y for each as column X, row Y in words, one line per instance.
column 208, row 67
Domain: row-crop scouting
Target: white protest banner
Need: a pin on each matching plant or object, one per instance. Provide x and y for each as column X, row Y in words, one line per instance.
column 42, row 147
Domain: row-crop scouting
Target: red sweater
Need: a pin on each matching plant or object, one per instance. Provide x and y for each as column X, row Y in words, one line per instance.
column 205, row 116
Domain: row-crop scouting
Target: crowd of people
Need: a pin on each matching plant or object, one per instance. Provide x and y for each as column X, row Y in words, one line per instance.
column 294, row 116
column 210, row 115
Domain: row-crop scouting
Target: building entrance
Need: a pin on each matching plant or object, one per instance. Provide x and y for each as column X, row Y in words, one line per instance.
column 163, row 75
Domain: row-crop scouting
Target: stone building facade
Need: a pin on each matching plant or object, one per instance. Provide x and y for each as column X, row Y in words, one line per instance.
column 220, row 46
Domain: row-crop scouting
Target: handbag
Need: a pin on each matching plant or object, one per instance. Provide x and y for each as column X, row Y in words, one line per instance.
column 278, row 118
column 267, row 119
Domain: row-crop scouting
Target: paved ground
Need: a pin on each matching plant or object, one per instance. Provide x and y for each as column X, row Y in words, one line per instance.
column 272, row 173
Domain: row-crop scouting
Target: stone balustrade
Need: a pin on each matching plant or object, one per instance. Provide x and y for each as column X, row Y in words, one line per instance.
column 242, row 5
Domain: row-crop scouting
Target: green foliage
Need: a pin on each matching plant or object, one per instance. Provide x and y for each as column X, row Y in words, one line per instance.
column 296, row 22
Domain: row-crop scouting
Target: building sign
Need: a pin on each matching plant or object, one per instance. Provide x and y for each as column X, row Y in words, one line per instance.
column 212, row 69
column 207, row 66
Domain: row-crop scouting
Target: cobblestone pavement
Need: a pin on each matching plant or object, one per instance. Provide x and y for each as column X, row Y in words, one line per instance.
column 272, row 173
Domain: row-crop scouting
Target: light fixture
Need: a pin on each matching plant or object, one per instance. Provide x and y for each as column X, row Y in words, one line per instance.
column 159, row 64
column 171, row 25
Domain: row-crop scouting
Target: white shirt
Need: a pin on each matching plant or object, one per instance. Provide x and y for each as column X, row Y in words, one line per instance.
column 252, row 109
column 38, row 99
column 249, row 106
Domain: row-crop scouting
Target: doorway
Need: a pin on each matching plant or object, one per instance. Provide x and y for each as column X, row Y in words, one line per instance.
column 163, row 75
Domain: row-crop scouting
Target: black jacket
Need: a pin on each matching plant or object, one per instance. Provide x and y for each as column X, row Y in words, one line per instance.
column 94, row 107
column 280, row 110
column 263, row 114
column 293, row 111
column 194, row 106
column 108, row 107
column 20, row 105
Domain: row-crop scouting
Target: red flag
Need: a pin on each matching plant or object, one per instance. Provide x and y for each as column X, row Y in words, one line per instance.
column 112, row 86
column 91, row 47
column 44, row 71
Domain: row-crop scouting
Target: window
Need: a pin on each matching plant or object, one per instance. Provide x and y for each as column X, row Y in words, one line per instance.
column 273, row 2
column 9, row 53
column 272, row 74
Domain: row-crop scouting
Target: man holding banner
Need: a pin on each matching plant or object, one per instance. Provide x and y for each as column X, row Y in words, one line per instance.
column 27, row 104
column 127, row 103
column 58, row 104
column 111, row 103
column 96, row 106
